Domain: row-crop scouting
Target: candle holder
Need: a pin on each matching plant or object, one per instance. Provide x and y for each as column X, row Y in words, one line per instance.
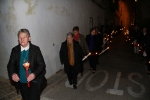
column 26, row 66
column 86, row 56
column 103, row 51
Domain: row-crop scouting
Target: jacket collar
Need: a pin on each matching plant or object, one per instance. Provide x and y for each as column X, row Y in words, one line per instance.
column 26, row 48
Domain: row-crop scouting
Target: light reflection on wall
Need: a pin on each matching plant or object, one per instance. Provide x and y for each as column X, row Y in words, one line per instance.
column 123, row 14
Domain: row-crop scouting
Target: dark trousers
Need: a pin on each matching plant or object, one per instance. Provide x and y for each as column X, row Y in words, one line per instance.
column 93, row 61
column 29, row 93
column 148, row 64
column 81, row 69
column 72, row 75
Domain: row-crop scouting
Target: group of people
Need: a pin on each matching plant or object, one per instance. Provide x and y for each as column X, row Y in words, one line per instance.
column 141, row 42
column 75, row 48
column 31, row 81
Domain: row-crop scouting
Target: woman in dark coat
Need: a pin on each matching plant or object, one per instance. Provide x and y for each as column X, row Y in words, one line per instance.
column 92, row 41
column 71, row 55
column 22, row 53
column 136, row 37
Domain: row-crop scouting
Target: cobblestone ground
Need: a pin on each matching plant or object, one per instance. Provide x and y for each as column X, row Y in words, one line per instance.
column 7, row 91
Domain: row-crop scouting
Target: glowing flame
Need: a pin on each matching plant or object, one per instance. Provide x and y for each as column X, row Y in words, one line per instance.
column 26, row 65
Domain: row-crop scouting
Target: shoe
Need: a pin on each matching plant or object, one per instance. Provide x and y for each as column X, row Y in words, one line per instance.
column 75, row 86
column 94, row 71
column 81, row 74
column 90, row 69
column 70, row 82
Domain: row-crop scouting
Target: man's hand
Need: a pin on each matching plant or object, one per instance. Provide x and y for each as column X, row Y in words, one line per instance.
column 15, row 77
column 31, row 77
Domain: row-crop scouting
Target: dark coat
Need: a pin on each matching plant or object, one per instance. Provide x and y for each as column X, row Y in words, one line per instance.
column 37, row 64
column 148, row 47
column 143, row 41
column 99, row 42
column 136, row 35
column 78, row 55
column 83, row 44
column 96, row 45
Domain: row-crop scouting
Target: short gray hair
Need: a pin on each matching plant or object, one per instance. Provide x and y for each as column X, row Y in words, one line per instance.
column 24, row 31
column 69, row 34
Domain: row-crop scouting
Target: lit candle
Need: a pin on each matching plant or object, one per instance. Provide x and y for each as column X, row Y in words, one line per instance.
column 86, row 56
column 26, row 66
column 105, row 43
column 103, row 51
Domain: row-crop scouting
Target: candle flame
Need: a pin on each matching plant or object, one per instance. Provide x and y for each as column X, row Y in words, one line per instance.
column 26, row 65
column 96, row 53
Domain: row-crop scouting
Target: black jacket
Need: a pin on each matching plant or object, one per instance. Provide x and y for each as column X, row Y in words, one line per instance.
column 143, row 41
column 37, row 64
column 136, row 35
column 96, row 45
column 148, row 47
column 78, row 55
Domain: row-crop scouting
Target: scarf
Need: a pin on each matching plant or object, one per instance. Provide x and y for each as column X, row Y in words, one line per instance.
column 71, row 54
column 76, row 37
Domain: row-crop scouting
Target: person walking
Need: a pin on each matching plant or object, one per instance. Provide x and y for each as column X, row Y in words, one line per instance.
column 81, row 39
column 136, row 37
column 71, row 55
column 94, row 48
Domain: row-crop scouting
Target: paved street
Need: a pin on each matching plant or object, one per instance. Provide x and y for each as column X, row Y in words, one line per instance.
column 120, row 76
